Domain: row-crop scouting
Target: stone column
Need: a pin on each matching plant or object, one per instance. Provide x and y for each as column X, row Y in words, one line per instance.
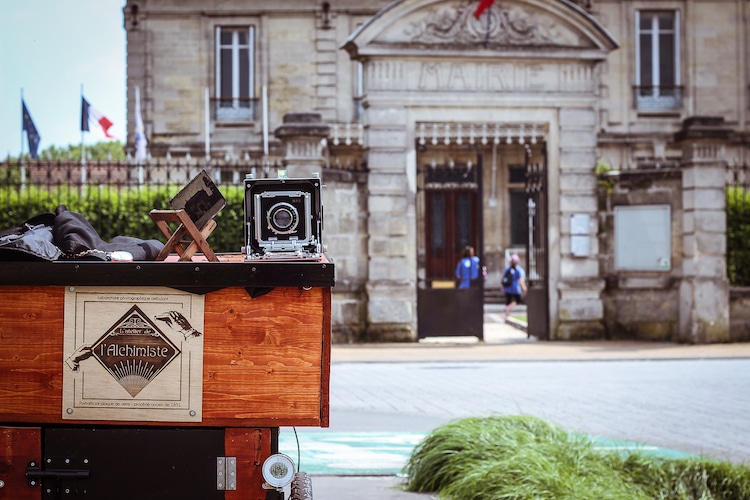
column 302, row 137
column 581, row 311
column 704, row 291
column 391, row 285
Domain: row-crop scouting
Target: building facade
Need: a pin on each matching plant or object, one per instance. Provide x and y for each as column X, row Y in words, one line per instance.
column 590, row 137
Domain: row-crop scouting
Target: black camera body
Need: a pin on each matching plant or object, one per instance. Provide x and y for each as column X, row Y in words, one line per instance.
column 283, row 218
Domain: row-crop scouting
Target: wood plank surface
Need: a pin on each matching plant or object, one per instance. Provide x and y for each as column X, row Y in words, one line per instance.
column 266, row 359
column 250, row 447
column 18, row 447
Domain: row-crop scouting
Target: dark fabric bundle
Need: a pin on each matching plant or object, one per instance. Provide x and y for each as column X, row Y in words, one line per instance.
column 74, row 235
column 68, row 235
column 30, row 241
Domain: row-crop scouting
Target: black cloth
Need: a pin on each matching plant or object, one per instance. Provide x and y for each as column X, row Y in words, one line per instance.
column 31, row 241
column 73, row 234
column 68, row 235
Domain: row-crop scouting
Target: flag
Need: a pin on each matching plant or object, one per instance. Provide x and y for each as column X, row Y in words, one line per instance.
column 31, row 134
column 140, row 134
column 90, row 115
column 483, row 5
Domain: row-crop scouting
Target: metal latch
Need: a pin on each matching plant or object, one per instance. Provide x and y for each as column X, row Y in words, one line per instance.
column 34, row 474
column 226, row 473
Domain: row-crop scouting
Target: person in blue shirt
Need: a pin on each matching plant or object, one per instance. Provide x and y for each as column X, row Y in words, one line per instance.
column 516, row 286
column 467, row 269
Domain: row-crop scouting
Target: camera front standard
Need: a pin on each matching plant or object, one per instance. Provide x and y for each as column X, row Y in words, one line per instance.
column 283, row 218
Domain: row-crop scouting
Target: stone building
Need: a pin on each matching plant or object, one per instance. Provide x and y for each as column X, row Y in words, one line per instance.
column 590, row 137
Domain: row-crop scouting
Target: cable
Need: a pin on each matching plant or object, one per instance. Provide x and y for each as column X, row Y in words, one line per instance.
column 299, row 461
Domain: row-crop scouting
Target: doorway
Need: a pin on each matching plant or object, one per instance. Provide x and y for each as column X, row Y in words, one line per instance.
column 450, row 203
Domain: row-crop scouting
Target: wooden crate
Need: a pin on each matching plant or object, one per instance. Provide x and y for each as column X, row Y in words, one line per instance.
column 266, row 341
column 266, row 359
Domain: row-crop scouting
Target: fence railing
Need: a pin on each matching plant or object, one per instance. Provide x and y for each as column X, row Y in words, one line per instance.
column 116, row 197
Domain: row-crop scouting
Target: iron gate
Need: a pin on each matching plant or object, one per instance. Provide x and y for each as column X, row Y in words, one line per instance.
column 452, row 220
column 537, row 297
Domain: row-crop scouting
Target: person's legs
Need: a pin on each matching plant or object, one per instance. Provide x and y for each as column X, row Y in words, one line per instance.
column 510, row 302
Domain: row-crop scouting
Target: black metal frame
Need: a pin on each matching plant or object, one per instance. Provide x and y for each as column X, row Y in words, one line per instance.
column 537, row 296
column 171, row 274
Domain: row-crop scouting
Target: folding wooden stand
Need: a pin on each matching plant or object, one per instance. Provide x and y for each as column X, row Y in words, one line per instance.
column 186, row 227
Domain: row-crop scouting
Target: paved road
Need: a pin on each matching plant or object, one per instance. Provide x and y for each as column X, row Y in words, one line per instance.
column 695, row 406
column 693, row 399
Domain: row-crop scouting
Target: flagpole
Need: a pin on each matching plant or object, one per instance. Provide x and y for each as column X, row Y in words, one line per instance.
column 487, row 33
column 138, row 126
column 83, row 146
column 20, row 157
column 208, row 125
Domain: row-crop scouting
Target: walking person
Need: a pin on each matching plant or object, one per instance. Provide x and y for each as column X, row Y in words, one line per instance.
column 514, row 284
column 467, row 269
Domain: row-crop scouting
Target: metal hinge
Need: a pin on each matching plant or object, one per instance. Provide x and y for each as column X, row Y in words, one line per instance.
column 226, row 473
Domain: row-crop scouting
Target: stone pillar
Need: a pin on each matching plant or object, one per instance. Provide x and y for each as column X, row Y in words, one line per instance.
column 704, row 291
column 302, row 137
column 391, row 285
column 579, row 287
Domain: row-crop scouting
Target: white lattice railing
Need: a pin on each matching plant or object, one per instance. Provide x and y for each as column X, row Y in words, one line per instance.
column 483, row 133
column 347, row 134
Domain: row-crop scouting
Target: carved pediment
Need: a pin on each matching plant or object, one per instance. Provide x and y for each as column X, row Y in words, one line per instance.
column 508, row 26
column 504, row 24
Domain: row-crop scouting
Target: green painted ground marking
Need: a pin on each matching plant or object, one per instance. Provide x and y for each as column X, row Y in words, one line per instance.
column 350, row 453
column 386, row 453
column 625, row 447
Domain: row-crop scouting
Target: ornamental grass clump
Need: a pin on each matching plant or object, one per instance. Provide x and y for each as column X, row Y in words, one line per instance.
column 517, row 458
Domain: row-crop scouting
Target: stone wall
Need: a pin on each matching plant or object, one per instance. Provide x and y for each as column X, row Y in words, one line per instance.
column 739, row 314
column 641, row 305
column 345, row 236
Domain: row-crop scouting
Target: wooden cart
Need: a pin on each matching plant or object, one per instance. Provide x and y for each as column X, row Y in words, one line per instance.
column 74, row 426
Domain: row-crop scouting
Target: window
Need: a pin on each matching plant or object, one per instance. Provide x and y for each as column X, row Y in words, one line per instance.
column 519, row 221
column 359, row 90
column 658, row 64
column 235, row 68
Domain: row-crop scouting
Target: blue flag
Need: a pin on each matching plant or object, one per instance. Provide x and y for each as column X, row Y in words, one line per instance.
column 31, row 134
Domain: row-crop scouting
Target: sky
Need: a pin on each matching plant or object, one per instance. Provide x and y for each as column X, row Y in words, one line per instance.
column 48, row 50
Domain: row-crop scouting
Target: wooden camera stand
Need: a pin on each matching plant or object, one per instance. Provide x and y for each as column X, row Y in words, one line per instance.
column 178, row 241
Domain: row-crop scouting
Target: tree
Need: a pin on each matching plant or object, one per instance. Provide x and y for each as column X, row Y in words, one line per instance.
column 102, row 150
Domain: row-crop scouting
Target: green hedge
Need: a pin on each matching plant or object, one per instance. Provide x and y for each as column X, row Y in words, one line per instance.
column 738, row 236
column 117, row 211
column 122, row 212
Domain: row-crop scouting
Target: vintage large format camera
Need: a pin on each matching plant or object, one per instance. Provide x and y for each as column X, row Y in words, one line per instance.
column 283, row 218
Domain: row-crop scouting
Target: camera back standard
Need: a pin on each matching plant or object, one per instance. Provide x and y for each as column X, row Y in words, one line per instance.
column 283, row 218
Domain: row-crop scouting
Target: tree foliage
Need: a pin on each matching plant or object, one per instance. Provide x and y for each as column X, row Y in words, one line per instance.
column 102, row 150
column 738, row 234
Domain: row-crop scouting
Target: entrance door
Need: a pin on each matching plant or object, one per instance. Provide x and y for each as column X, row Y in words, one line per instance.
column 452, row 220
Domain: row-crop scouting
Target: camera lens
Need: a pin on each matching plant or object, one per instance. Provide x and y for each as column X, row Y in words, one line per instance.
column 282, row 218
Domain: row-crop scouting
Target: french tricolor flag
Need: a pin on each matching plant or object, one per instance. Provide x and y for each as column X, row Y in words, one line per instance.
column 483, row 5
column 91, row 116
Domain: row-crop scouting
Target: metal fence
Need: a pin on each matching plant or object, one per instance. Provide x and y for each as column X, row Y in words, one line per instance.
column 116, row 197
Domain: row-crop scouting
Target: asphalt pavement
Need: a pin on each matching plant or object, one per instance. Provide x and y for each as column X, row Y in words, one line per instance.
column 502, row 343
